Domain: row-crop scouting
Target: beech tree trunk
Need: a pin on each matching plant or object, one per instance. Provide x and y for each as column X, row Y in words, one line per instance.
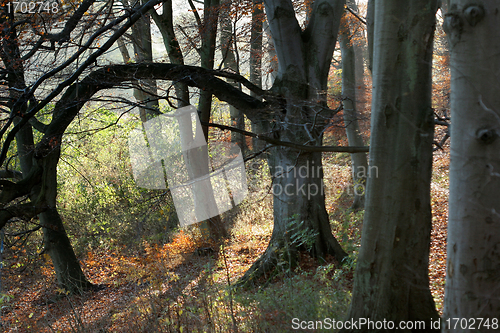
column 473, row 263
column 227, row 45
column 272, row 58
column 143, row 52
column 298, row 194
column 370, row 27
column 214, row 226
column 350, row 97
column 208, row 34
column 165, row 24
column 256, row 63
column 391, row 279
column 359, row 44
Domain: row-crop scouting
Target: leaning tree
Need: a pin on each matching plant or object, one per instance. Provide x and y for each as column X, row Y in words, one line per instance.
column 31, row 49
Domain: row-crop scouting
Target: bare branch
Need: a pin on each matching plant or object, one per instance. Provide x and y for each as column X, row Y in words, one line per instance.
column 26, row 212
column 71, row 23
column 132, row 17
column 299, row 147
column 355, row 14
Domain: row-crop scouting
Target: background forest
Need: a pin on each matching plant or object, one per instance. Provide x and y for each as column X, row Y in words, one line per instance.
column 364, row 91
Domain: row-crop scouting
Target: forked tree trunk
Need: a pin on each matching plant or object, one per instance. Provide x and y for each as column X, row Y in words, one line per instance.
column 300, row 218
column 214, row 227
column 391, row 279
column 472, row 279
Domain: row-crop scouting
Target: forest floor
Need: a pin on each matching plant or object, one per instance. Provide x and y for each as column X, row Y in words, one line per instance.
column 172, row 288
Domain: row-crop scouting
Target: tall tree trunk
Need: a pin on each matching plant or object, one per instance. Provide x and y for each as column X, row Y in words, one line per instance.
column 358, row 41
column 391, row 280
column 350, row 97
column 213, row 228
column 143, row 52
column 472, row 279
column 272, row 58
column 165, row 24
column 208, row 31
column 304, row 57
column 227, row 43
column 256, row 62
column 370, row 27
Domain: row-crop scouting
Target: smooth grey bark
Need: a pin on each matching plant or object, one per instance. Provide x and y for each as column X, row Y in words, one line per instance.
column 143, row 52
column 208, row 33
column 272, row 57
column 227, row 43
column 370, row 26
column 359, row 44
column 165, row 24
column 391, row 281
column 304, row 59
column 256, row 54
column 350, row 96
column 473, row 262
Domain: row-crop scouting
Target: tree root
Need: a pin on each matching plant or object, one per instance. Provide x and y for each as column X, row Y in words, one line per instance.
column 274, row 261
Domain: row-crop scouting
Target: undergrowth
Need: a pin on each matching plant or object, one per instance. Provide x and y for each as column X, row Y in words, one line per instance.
column 152, row 277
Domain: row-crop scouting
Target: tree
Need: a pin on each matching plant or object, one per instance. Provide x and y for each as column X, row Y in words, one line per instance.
column 256, row 54
column 165, row 24
column 38, row 167
column 350, row 96
column 295, row 112
column 207, row 31
column 27, row 39
column 391, row 280
column 473, row 229
column 304, row 61
column 143, row 52
column 227, row 47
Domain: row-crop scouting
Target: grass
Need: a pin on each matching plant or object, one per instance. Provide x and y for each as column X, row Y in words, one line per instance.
column 160, row 287
column 167, row 287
